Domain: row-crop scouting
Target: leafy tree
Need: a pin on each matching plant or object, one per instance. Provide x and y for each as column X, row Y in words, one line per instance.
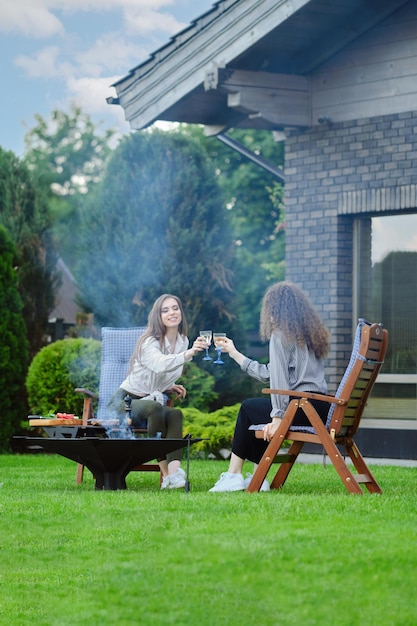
column 24, row 213
column 68, row 153
column 13, row 344
column 157, row 224
column 254, row 199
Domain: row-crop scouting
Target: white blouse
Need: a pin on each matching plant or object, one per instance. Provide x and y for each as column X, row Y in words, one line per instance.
column 158, row 369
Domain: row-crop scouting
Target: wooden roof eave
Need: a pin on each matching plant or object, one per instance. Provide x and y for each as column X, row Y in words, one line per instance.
column 155, row 87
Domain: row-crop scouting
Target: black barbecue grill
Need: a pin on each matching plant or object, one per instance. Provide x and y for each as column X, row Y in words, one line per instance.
column 109, row 453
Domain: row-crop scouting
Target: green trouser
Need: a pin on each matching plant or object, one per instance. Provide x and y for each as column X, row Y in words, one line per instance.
column 153, row 416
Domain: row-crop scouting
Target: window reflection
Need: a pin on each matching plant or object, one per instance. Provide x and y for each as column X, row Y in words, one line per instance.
column 394, row 288
column 387, row 292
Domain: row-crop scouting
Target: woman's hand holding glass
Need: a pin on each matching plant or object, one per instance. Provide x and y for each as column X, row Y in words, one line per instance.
column 221, row 342
column 219, row 339
column 227, row 345
column 206, row 335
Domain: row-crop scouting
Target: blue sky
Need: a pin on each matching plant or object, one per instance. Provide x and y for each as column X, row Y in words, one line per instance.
column 55, row 52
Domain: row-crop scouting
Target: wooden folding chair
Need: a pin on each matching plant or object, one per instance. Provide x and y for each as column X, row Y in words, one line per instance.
column 345, row 413
column 116, row 349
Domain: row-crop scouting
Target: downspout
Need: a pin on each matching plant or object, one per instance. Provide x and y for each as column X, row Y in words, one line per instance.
column 255, row 158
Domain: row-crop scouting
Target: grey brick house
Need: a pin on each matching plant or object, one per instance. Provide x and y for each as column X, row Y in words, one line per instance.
column 337, row 81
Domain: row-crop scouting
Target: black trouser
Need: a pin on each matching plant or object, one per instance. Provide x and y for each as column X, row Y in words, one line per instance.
column 258, row 411
column 153, row 416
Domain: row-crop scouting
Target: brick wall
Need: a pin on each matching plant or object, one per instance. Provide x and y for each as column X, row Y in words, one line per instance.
column 335, row 173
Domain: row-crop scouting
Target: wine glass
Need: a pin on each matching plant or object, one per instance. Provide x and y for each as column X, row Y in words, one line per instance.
column 207, row 334
column 218, row 342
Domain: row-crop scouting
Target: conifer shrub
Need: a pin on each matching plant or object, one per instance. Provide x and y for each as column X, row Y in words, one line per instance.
column 13, row 344
column 57, row 370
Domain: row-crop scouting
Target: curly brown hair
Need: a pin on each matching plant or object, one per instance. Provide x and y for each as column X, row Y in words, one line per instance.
column 286, row 308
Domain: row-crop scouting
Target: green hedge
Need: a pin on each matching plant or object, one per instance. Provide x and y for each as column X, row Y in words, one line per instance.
column 57, row 370
column 215, row 428
column 200, row 387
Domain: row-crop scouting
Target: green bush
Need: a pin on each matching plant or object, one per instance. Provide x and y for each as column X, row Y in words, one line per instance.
column 215, row 428
column 200, row 387
column 57, row 370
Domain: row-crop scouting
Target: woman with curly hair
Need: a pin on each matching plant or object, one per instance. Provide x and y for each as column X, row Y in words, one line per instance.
column 298, row 341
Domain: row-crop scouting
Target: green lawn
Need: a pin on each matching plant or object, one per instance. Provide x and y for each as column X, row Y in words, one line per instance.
column 308, row 555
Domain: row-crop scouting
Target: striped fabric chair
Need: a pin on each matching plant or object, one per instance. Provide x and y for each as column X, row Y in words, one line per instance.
column 345, row 414
column 117, row 345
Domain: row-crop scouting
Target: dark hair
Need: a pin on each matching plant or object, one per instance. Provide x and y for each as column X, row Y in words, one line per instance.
column 286, row 308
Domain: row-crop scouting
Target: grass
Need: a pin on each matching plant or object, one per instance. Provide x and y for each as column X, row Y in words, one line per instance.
column 310, row 554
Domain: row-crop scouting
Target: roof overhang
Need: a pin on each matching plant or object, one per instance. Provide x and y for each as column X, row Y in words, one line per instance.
column 245, row 63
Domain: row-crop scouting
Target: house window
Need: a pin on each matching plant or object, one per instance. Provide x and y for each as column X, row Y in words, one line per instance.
column 386, row 291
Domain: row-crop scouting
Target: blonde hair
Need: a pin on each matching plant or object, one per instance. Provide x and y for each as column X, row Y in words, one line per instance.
column 287, row 309
column 156, row 327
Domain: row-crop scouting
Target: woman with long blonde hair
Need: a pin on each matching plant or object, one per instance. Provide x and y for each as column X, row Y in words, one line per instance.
column 298, row 342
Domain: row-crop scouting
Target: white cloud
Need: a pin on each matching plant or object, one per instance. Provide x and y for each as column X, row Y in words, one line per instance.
column 45, row 64
column 110, row 53
column 91, row 93
column 28, row 17
column 38, row 19
column 105, row 5
column 143, row 20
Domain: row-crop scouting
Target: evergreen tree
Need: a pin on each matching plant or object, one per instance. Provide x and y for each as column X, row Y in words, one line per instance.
column 24, row 213
column 13, row 344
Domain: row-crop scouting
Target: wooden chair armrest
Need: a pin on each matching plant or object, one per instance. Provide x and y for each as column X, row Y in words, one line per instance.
column 306, row 394
column 86, row 392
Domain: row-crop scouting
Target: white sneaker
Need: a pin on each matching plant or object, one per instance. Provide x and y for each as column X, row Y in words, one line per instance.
column 175, row 480
column 264, row 487
column 165, row 482
column 229, row 482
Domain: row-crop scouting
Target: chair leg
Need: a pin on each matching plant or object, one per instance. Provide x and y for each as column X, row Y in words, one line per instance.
column 272, row 449
column 80, row 473
column 287, row 464
column 366, row 477
column 87, row 414
column 348, row 478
